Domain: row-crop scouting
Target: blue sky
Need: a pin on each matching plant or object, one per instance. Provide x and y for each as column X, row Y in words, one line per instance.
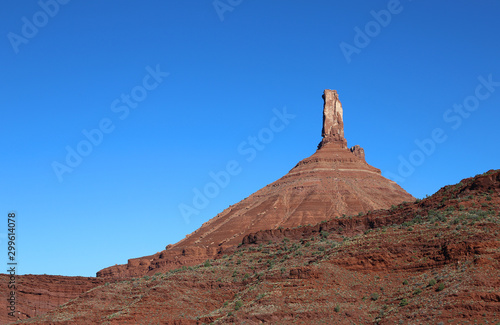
column 170, row 91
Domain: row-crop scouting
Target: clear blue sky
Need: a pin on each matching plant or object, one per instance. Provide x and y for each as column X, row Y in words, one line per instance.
column 227, row 71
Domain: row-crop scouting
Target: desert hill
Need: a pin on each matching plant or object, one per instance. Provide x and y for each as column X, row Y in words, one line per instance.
column 430, row 261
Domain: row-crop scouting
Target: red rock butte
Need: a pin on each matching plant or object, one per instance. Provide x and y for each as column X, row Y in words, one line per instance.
column 335, row 180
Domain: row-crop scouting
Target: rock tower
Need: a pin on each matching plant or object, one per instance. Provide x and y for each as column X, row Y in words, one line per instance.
column 334, row 181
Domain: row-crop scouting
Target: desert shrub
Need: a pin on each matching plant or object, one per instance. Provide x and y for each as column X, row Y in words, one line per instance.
column 374, row 296
column 440, row 287
column 451, row 208
column 403, row 302
column 440, row 217
column 238, row 304
column 432, row 282
column 337, row 308
column 417, row 220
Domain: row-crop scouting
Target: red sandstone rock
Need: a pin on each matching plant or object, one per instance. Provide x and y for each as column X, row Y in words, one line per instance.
column 395, row 262
column 38, row 294
column 333, row 119
column 358, row 152
column 333, row 181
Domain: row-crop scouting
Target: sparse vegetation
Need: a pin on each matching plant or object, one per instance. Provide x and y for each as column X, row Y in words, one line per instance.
column 238, row 304
column 440, row 287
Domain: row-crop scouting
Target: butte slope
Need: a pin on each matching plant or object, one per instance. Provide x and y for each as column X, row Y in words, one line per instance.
column 432, row 261
column 335, row 180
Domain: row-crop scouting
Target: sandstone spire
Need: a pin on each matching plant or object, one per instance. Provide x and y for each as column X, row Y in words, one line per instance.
column 333, row 123
column 333, row 181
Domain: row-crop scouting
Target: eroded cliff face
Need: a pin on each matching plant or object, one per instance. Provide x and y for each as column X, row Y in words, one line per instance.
column 334, row 181
column 38, row 294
